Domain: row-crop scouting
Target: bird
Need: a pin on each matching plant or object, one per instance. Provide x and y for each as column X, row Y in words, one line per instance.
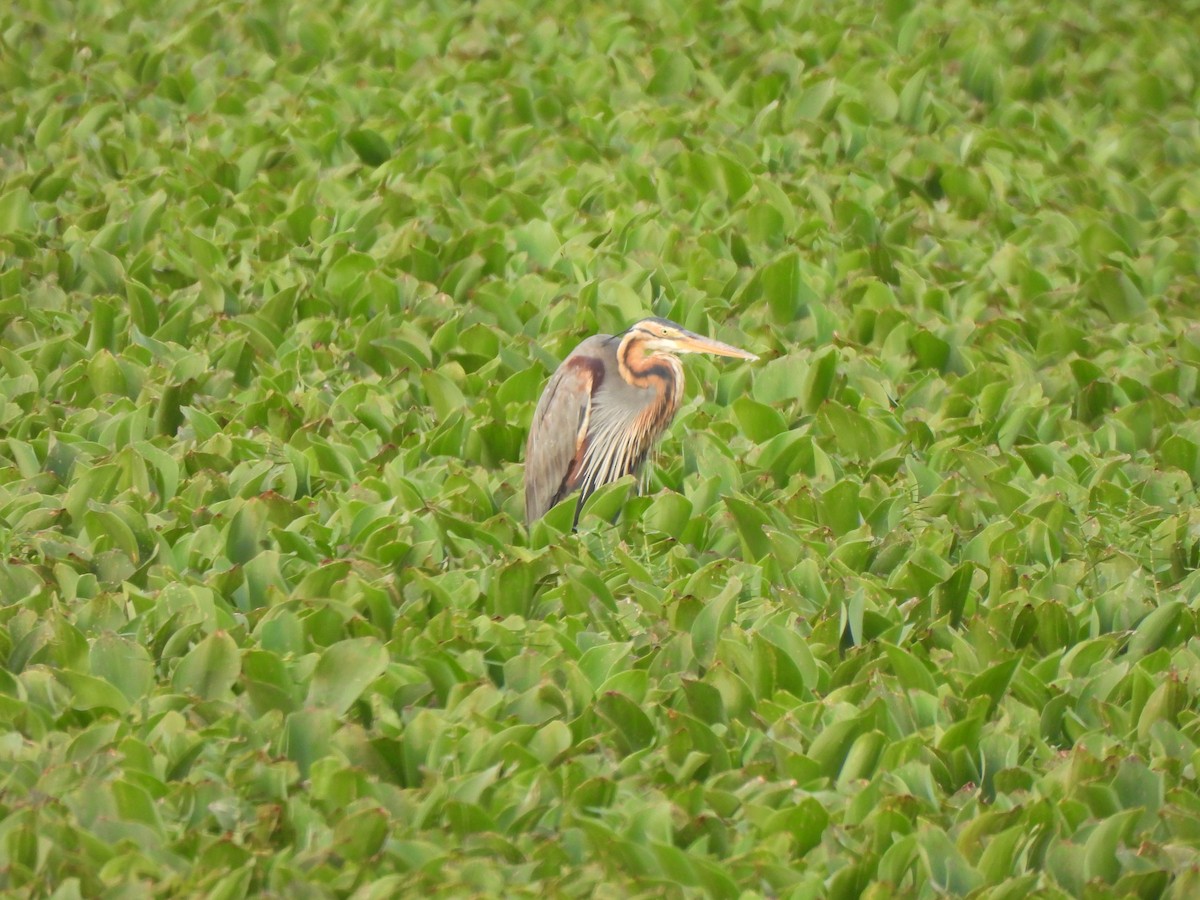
column 604, row 408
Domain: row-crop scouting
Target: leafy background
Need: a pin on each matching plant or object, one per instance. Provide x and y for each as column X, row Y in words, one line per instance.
column 908, row 608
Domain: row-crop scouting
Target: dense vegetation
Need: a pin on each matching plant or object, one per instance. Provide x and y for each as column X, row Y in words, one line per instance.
column 909, row 608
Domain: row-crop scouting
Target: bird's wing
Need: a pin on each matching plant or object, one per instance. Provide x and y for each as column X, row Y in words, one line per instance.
column 558, row 435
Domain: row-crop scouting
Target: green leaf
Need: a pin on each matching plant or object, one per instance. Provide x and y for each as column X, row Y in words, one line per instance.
column 607, row 501
column 782, row 288
column 804, row 822
column 860, row 437
column 369, row 145
column 105, row 375
column 993, row 683
column 124, row 663
column 360, row 835
column 949, row 872
column 750, row 522
column 1112, row 290
column 633, row 728
column 669, row 513
column 16, row 211
column 539, row 240
column 911, row 672
column 209, row 669
column 1100, row 859
column 268, row 683
column 759, row 421
column 820, row 378
column 780, row 379
column 1156, row 630
column 307, row 736
column 713, row 620
column 832, row 744
column 673, row 73
column 88, row 693
column 344, row 672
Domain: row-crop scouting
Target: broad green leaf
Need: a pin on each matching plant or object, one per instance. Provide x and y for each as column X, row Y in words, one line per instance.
column 750, row 521
column 1100, row 859
column 948, row 871
column 1155, row 630
column 832, row 744
column 715, row 617
column 360, row 835
column 369, row 145
column 669, row 513
column 633, row 728
column 88, row 693
column 674, row 73
column 306, row 737
column 781, row 288
column 759, row 421
column 910, row 671
column 805, row 822
column 16, row 211
column 124, row 663
column 994, row 682
column 780, row 379
column 344, row 672
column 209, row 669
column 1112, row 290
column 539, row 240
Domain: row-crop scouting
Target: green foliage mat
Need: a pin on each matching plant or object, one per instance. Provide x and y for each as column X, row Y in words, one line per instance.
column 908, row 609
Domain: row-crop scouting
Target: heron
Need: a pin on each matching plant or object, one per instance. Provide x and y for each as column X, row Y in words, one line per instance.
column 605, row 407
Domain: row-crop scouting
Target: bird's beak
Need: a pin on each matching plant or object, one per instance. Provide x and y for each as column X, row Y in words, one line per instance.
column 694, row 343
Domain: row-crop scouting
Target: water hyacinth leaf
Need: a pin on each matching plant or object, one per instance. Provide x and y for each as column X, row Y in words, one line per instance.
column 911, row 672
column 759, row 421
column 822, row 373
column 16, row 211
column 1112, row 290
column 105, row 375
column 782, row 288
column 539, row 240
column 209, row 669
column 714, row 618
column 122, row 662
column 750, row 521
column 805, row 823
column 948, row 871
column 268, row 682
column 607, row 501
column 1100, row 858
column 780, row 379
column 667, row 514
column 994, row 682
column 369, row 145
column 359, row 835
column 306, row 737
column 1156, row 629
column 345, row 278
column 633, row 729
column 998, row 857
column 673, row 73
column 856, row 434
column 344, row 672
column 89, row 693
column 553, row 739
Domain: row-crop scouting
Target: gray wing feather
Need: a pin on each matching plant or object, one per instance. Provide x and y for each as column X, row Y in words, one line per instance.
column 559, row 428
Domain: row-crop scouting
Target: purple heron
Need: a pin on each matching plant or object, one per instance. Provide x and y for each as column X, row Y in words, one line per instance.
column 605, row 407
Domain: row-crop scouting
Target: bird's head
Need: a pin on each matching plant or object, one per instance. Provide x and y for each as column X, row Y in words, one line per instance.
column 657, row 335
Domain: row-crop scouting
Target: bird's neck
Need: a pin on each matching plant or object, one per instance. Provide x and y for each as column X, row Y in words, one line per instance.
column 651, row 371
